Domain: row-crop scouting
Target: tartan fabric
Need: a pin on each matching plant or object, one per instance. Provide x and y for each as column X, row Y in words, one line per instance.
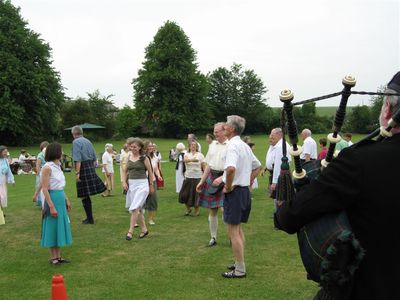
column 90, row 183
column 208, row 200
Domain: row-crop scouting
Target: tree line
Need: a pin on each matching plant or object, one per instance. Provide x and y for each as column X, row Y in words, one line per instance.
column 171, row 97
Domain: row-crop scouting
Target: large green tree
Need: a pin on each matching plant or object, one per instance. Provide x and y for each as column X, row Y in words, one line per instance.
column 240, row 92
column 30, row 89
column 170, row 93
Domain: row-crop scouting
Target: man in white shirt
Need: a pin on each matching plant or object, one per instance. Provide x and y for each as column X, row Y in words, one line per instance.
column 215, row 160
column 274, row 158
column 241, row 167
column 310, row 151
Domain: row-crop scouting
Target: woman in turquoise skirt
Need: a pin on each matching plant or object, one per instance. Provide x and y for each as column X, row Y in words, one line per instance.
column 56, row 231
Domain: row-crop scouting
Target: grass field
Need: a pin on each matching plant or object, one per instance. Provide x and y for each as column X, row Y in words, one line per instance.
column 172, row 263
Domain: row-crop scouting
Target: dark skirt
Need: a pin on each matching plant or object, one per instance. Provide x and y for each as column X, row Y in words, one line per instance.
column 151, row 201
column 90, row 183
column 188, row 194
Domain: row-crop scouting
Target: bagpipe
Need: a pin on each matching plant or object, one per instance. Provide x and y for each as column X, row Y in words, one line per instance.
column 328, row 247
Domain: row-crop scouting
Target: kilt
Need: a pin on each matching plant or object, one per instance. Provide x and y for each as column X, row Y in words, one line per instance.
column 90, row 183
column 211, row 200
column 188, row 194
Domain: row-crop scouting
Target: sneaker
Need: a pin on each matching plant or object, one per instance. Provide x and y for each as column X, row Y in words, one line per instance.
column 212, row 242
column 233, row 274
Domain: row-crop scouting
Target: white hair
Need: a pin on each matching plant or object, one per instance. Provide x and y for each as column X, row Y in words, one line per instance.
column 237, row 122
column 77, row 130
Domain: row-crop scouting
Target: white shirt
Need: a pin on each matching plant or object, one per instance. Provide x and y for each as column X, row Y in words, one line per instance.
column 193, row 169
column 278, row 159
column 57, row 178
column 107, row 159
column 22, row 158
column 240, row 156
column 270, row 157
column 216, row 155
column 309, row 147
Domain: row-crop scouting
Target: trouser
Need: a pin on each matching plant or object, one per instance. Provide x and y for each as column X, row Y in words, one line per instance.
column 87, row 206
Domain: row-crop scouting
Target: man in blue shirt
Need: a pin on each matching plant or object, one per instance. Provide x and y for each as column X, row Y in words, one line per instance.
column 87, row 181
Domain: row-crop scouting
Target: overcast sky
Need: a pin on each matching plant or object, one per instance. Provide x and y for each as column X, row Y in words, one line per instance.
column 307, row 46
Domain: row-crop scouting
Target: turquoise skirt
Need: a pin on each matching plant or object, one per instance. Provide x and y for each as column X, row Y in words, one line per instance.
column 56, row 232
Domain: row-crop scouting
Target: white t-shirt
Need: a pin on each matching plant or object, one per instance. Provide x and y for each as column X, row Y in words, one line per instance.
column 240, row 156
column 193, row 169
column 107, row 159
column 216, row 155
column 309, row 147
column 278, row 159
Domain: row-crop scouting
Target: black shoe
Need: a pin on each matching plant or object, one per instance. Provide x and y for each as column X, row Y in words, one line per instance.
column 231, row 267
column 233, row 274
column 63, row 260
column 87, row 222
column 212, row 242
column 143, row 234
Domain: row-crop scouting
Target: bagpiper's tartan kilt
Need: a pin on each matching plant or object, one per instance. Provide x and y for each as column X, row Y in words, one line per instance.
column 210, row 200
column 90, row 183
column 329, row 250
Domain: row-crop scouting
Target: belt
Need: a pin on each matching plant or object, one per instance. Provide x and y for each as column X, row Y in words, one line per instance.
column 216, row 173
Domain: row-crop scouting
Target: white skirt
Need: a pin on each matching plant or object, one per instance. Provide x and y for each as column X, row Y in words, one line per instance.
column 3, row 190
column 179, row 178
column 137, row 194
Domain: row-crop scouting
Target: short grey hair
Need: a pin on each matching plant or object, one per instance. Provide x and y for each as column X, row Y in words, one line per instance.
column 77, row 130
column 393, row 100
column 306, row 132
column 219, row 124
column 277, row 131
column 237, row 122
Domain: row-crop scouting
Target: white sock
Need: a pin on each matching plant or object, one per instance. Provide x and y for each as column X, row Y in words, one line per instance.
column 213, row 223
column 240, row 267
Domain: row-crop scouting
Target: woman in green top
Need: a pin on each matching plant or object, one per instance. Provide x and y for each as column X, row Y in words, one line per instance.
column 139, row 186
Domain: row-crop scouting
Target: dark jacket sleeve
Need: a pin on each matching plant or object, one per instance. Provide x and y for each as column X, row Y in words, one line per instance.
column 336, row 189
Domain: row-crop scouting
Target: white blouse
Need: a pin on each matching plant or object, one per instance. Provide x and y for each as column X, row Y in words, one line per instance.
column 57, row 178
column 193, row 169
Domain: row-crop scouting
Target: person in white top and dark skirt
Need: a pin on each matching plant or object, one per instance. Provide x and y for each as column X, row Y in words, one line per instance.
column 194, row 162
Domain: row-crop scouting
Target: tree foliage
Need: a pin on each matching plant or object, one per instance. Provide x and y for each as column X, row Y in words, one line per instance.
column 96, row 109
column 170, row 93
column 240, row 92
column 30, row 89
column 127, row 123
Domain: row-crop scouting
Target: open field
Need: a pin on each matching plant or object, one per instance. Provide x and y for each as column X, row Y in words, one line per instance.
column 172, row 263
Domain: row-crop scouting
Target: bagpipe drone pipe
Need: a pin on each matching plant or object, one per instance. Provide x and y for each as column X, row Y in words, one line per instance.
column 329, row 250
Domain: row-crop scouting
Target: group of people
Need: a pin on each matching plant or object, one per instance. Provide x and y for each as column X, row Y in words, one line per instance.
column 357, row 181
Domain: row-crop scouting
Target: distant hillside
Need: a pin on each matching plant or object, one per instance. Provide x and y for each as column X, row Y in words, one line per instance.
column 324, row 110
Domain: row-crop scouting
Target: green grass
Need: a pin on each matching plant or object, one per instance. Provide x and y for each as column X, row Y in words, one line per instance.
column 172, row 263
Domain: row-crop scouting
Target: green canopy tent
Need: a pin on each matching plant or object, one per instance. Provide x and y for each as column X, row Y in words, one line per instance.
column 92, row 131
column 87, row 126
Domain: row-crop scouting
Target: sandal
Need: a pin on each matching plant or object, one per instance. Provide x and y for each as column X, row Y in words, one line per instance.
column 54, row 262
column 188, row 212
column 63, row 260
column 129, row 235
column 143, row 234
